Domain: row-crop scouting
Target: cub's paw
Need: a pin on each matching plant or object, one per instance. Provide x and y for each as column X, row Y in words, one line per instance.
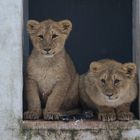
column 52, row 116
column 125, row 116
column 107, row 117
column 31, row 115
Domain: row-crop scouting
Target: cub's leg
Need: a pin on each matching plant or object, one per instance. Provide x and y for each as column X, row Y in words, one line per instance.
column 54, row 106
column 106, row 114
column 33, row 101
column 123, row 113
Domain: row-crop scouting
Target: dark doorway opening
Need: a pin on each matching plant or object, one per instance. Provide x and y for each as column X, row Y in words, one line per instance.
column 101, row 29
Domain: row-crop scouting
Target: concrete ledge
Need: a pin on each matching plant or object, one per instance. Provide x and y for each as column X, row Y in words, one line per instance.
column 80, row 130
column 81, row 125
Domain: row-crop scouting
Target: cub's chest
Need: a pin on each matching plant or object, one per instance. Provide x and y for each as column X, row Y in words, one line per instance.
column 44, row 73
column 46, row 77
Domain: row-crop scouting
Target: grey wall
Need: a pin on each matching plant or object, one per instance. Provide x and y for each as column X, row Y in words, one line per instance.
column 10, row 68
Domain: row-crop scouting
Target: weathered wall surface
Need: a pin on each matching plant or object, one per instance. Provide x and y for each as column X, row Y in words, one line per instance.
column 11, row 126
column 81, row 135
column 10, row 68
column 81, row 130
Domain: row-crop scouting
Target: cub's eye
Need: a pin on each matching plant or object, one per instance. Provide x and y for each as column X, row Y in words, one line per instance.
column 54, row 36
column 117, row 81
column 41, row 37
column 103, row 81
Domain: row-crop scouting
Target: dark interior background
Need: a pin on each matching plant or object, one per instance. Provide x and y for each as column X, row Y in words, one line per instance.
column 101, row 28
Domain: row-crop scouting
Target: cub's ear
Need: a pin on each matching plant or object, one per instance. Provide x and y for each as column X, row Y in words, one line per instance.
column 32, row 26
column 129, row 69
column 66, row 26
column 95, row 67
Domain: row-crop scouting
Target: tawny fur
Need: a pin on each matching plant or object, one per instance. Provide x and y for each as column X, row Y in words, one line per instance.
column 110, row 87
column 51, row 75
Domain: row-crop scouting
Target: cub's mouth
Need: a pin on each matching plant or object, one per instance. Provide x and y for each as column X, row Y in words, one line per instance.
column 48, row 54
column 112, row 98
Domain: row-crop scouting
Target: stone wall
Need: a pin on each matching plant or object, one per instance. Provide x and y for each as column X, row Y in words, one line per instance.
column 10, row 68
column 81, row 130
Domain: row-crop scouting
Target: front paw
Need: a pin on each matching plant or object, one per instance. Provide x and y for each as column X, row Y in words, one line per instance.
column 32, row 115
column 107, row 117
column 125, row 116
column 52, row 116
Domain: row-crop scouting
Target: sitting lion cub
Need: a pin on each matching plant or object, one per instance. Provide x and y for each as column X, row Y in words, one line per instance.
column 51, row 81
column 110, row 87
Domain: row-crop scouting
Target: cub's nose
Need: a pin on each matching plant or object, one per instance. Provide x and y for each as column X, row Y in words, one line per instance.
column 47, row 49
column 109, row 94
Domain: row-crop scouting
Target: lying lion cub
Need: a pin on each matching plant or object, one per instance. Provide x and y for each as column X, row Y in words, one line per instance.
column 110, row 87
column 51, row 81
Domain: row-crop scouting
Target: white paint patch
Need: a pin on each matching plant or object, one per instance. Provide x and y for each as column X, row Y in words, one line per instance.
column 36, row 138
column 134, row 133
column 87, row 135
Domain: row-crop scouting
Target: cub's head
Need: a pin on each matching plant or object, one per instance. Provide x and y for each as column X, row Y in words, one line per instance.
column 48, row 37
column 112, row 78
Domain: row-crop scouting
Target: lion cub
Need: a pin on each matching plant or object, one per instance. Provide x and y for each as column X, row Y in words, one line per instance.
column 51, row 82
column 110, row 87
